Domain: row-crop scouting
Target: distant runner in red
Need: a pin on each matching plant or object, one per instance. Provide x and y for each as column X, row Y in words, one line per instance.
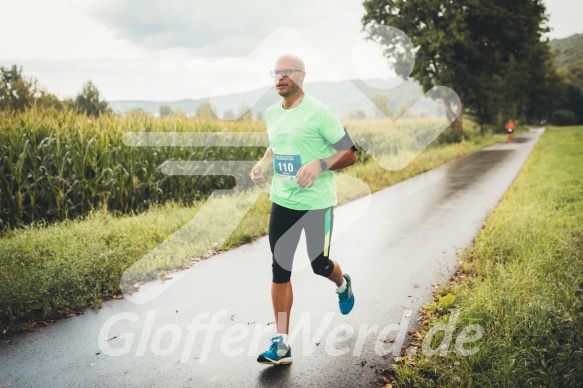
column 510, row 130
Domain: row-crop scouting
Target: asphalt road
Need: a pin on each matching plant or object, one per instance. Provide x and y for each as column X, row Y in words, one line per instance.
column 207, row 326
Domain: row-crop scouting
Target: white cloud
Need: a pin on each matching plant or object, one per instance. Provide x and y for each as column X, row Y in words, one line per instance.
column 147, row 49
column 53, row 30
column 565, row 17
column 216, row 27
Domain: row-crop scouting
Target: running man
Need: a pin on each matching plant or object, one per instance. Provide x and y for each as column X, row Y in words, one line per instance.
column 306, row 141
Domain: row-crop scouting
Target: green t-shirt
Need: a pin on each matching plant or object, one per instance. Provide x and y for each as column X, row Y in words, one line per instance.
column 297, row 137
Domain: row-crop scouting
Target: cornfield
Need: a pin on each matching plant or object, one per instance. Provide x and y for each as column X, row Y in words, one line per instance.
column 59, row 165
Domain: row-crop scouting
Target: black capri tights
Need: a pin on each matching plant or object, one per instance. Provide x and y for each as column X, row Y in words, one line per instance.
column 285, row 228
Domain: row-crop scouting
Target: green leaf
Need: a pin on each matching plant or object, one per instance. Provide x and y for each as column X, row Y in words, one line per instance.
column 446, row 301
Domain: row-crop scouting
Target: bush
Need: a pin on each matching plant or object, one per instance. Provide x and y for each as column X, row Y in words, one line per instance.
column 564, row 117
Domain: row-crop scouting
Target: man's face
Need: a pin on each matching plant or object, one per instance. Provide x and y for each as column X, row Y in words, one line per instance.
column 292, row 84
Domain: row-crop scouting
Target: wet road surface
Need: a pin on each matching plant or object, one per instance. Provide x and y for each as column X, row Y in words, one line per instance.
column 208, row 325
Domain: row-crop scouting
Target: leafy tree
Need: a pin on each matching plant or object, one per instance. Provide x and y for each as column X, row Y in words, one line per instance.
column 229, row 114
column 165, row 110
column 244, row 112
column 205, row 110
column 179, row 113
column 89, row 101
column 138, row 112
column 437, row 28
column 16, row 91
column 574, row 74
column 564, row 117
column 49, row 100
column 69, row 103
column 543, row 86
column 482, row 49
column 571, row 100
column 356, row 114
column 381, row 101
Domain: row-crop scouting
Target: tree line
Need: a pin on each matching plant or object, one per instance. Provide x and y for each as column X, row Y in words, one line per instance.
column 18, row 93
column 491, row 52
column 206, row 110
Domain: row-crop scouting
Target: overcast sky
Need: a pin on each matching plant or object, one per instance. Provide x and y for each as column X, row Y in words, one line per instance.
column 176, row 49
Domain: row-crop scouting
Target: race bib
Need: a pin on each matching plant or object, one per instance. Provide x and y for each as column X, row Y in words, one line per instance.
column 287, row 166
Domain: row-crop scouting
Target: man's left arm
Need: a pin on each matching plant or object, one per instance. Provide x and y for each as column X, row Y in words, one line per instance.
column 341, row 159
column 344, row 156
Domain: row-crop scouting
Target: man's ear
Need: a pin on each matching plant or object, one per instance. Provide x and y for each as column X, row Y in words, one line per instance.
column 302, row 76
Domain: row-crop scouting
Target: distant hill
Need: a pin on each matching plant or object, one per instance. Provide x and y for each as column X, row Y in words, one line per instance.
column 569, row 50
column 569, row 57
column 346, row 98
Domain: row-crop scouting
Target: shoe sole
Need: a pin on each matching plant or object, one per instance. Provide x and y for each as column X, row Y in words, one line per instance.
column 283, row 361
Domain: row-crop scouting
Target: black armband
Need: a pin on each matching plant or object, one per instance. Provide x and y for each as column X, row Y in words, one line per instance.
column 346, row 143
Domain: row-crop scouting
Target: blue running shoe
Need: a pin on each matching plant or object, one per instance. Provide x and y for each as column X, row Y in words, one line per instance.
column 278, row 353
column 346, row 298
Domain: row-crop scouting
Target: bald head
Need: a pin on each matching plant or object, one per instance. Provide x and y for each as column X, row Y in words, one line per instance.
column 289, row 86
column 290, row 61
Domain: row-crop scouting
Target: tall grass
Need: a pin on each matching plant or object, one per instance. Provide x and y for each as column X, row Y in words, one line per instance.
column 523, row 281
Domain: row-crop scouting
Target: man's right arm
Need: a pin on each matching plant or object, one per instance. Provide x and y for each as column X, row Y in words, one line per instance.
column 261, row 167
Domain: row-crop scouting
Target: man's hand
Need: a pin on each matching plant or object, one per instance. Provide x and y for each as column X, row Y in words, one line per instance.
column 257, row 175
column 308, row 174
column 259, row 169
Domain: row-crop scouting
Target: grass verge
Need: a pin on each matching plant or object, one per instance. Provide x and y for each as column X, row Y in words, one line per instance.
column 522, row 282
column 56, row 270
